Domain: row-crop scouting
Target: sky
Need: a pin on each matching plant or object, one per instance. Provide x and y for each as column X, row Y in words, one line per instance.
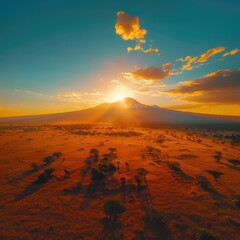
column 67, row 55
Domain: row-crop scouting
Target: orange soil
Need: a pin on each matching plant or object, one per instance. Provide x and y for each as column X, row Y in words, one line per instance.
column 49, row 213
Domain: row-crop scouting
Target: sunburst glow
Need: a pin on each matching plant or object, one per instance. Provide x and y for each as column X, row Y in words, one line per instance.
column 119, row 93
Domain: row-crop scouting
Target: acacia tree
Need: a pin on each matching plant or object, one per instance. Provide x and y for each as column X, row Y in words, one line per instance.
column 113, row 208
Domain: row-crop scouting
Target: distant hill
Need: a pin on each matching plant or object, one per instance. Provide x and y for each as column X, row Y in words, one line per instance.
column 127, row 111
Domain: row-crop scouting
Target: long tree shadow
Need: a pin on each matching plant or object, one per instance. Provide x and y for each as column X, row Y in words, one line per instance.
column 230, row 166
column 26, row 174
column 30, row 189
column 92, row 192
column 153, row 220
column 110, row 232
column 208, row 187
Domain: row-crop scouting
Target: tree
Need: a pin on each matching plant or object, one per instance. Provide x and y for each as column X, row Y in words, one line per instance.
column 113, row 208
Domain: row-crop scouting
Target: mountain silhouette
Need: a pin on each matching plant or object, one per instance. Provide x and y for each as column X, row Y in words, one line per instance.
column 126, row 111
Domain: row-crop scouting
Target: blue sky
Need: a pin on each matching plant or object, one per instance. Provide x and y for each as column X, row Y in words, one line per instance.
column 49, row 48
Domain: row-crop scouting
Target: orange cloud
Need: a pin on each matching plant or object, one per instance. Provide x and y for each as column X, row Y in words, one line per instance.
column 153, row 73
column 138, row 47
column 142, row 91
column 189, row 61
column 151, row 50
column 232, row 52
column 193, row 62
column 220, row 87
column 128, row 27
column 204, row 57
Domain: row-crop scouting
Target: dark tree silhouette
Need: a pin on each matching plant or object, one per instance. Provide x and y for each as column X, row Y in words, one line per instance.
column 113, row 208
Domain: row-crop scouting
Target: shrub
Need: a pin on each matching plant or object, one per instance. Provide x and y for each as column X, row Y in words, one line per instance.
column 49, row 159
column 57, row 154
column 113, row 208
column 204, row 234
column 112, row 150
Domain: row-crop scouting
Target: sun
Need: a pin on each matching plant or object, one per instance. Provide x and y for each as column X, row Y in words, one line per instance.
column 119, row 93
column 119, row 97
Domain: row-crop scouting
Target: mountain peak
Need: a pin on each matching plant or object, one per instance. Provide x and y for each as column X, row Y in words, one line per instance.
column 129, row 100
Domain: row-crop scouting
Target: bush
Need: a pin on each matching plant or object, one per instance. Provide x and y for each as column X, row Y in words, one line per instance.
column 49, row 159
column 57, row 154
column 113, row 208
column 204, row 234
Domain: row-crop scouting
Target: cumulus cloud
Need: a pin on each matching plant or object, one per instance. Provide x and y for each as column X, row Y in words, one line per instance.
column 222, row 86
column 232, row 52
column 153, row 73
column 128, row 27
